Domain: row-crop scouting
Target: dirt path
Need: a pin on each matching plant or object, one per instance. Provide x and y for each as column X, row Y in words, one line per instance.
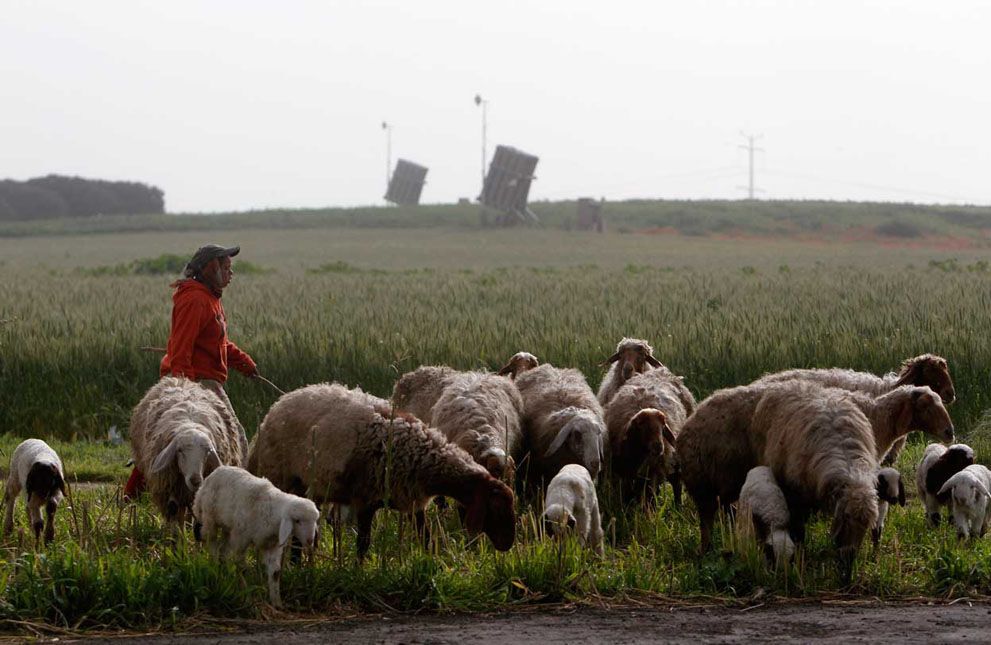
column 779, row 623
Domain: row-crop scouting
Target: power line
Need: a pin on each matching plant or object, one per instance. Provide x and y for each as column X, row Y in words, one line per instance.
column 750, row 151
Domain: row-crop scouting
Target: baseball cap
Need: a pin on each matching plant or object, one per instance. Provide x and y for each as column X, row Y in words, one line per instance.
column 206, row 253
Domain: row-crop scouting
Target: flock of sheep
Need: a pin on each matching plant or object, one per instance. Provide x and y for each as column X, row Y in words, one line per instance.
column 771, row 453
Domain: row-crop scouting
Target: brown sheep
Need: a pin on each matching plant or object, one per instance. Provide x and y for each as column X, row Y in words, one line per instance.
column 632, row 356
column 518, row 363
column 417, row 392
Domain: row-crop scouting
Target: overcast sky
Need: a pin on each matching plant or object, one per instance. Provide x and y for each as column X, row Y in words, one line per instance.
column 241, row 105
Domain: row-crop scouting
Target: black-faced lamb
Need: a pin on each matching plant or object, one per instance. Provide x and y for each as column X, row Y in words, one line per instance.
column 763, row 508
column 235, row 510
column 349, row 448
column 181, row 432
column 924, row 370
column 481, row 413
column 37, row 470
column 969, row 492
column 643, row 420
column 417, row 392
column 562, row 421
column 518, row 363
column 571, row 505
column 938, row 464
column 890, row 490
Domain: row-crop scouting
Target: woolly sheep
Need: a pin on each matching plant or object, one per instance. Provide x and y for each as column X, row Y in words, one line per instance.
column 643, row 420
column 571, row 504
column 562, row 421
column 518, row 363
column 938, row 464
column 37, row 470
column 926, row 369
column 723, row 440
column 632, row 356
column 481, row 413
column 346, row 447
column 969, row 494
column 890, row 490
column 180, row 433
column 764, row 509
column 416, row 392
column 235, row 510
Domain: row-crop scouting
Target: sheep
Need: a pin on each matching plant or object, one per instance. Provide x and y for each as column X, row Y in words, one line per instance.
column 938, row 464
column 244, row 510
column 481, row 413
column 643, row 420
column 37, row 470
column 571, row 504
column 926, row 369
column 969, row 494
column 890, row 490
column 518, row 363
column 632, row 356
column 181, row 432
column 764, row 510
column 346, row 447
column 416, row 392
column 724, row 438
column 562, row 421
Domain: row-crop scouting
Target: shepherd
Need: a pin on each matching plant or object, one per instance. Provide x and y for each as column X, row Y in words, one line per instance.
column 198, row 346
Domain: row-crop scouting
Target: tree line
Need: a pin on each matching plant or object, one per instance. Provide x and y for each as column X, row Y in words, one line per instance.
column 60, row 196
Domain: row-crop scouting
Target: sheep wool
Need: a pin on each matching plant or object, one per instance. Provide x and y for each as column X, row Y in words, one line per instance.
column 37, row 470
column 764, row 511
column 571, row 504
column 416, row 392
column 233, row 510
column 970, row 491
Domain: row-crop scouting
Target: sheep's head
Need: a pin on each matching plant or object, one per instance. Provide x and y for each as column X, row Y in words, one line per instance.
column 970, row 499
column 301, row 521
column 520, row 362
column 498, row 463
column 44, row 480
column 193, row 453
column 634, row 357
column 581, row 436
column 890, row 487
column 923, row 410
column 929, row 370
column 956, row 458
column 492, row 510
column 558, row 520
column 645, row 440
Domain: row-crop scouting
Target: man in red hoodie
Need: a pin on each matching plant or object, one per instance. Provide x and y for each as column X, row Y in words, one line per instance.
column 198, row 347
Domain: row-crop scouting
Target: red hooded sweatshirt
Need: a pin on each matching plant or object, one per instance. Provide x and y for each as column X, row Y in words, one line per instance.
column 198, row 346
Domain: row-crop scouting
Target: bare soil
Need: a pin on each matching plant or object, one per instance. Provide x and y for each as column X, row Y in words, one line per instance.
column 846, row 623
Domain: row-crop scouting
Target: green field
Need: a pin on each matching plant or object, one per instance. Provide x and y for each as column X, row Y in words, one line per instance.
column 362, row 305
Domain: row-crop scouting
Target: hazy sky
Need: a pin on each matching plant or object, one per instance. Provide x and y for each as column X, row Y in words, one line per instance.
column 238, row 105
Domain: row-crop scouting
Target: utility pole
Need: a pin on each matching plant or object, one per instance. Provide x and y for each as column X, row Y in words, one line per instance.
column 388, row 152
column 484, row 104
column 749, row 147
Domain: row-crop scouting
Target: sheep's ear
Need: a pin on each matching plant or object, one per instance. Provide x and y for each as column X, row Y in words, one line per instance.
column 612, row 359
column 212, row 462
column 981, row 490
column 506, row 369
column 165, row 457
column 653, row 361
column 668, row 435
column 572, row 522
column 475, row 517
column 901, row 493
column 907, row 412
column 285, row 530
column 562, row 436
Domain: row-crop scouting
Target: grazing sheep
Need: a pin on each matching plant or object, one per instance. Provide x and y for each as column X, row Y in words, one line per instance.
column 37, row 470
column 890, row 490
column 346, row 447
column 571, row 504
column 562, row 421
column 968, row 491
column 180, row 433
column 481, row 413
column 643, row 419
column 724, row 439
column 518, row 363
column 927, row 369
column 938, row 464
column 416, row 392
column 633, row 356
column 243, row 510
column 764, row 509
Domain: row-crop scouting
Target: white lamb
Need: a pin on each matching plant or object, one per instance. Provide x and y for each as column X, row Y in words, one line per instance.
column 245, row 510
column 764, row 504
column 969, row 495
column 571, row 504
column 890, row 490
column 37, row 470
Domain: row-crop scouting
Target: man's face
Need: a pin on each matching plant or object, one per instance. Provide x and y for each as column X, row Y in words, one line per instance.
column 219, row 272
